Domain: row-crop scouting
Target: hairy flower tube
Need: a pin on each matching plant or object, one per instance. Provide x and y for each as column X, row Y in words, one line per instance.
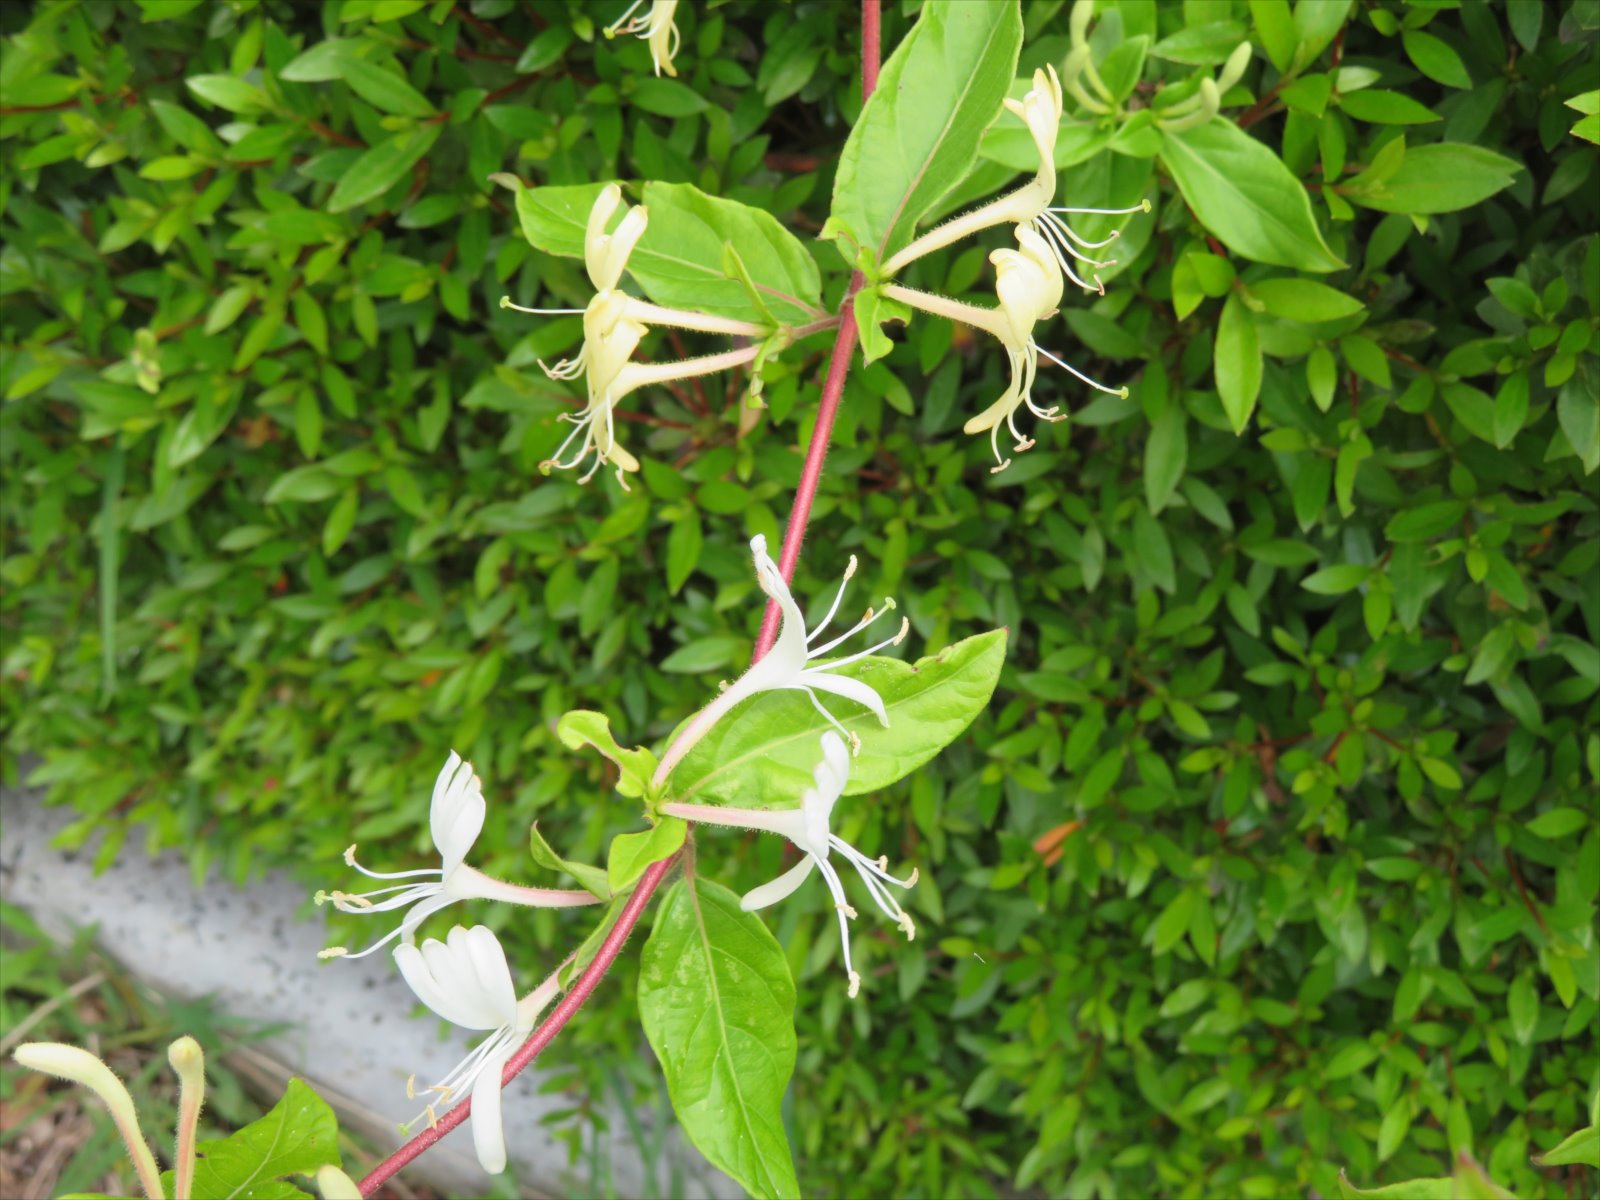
column 1028, row 284
column 807, row 828
column 80, row 1067
column 787, row 664
column 465, row 980
column 613, row 325
column 455, row 819
column 656, row 27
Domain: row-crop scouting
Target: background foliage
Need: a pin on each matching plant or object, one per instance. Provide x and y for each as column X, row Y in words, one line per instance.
column 1278, row 849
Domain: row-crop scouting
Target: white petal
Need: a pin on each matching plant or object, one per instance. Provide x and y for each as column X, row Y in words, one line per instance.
column 492, row 973
column 458, row 819
column 790, row 648
column 780, row 888
column 488, row 1135
column 850, row 689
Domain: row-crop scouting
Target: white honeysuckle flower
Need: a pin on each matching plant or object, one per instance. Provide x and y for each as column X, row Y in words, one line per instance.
column 786, row 665
column 807, row 828
column 1028, row 283
column 465, row 980
column 1029, row 205
column 613, row 325
column 455, row 819
column 656, row 27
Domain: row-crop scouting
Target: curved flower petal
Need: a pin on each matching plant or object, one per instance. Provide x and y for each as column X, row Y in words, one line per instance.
column 780, row 888
column 849, row 689
column 488, row 1131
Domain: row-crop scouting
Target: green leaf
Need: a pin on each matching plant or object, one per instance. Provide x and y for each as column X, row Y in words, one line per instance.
column 666, row 97
column 1243, row 193
column 763, row 753
column 384, row 89
column 684, row 541
column 592, row 879
column 1522, row 1006
column 297, row 1136
column 188, row 130
column 381, row 167
column 1410, row 1189
column 919, row 132
column 1433, row 179
column 1236, row 362
column 717, row 1003
column 1424, row 522
column 1166, row 452
column 679, row 262
column 635, row 767
column 1578, row 411
column 1303, row 300
column 324, row 62
column 1335, row 581
column 1558, row 823
column 1435, row 59
column 225, row 91
column 1205, row 45
column 631, row 853
column 1582, row 1148
column 1379, row 107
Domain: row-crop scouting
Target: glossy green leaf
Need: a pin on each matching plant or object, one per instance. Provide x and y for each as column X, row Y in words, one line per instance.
column 763, row 753
column 1437, row 178
column 717, row 1003
column 1242, row 192
column 380, row 168
column 919, row 132
column 299, row 1134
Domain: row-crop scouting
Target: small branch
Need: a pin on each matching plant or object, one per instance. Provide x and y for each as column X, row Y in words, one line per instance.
column 1522, row 889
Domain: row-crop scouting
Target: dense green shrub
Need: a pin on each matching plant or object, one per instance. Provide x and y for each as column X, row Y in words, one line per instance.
column 1278, row 850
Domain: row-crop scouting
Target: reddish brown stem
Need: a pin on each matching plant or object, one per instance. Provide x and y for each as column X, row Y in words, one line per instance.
column 651, row 879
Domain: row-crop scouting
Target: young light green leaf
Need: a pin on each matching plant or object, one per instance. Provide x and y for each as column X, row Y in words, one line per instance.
column 384, row 89
column 1582, row 1148
column 919, row 132
column 631, row 853
column 763, row 753
column 592, row 879
column 634, row 767
column 717, row 1003
column 1410, row 1189
column 1303, row 300
column 1243, row 193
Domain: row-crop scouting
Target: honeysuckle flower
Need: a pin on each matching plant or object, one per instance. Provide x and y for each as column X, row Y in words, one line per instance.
column 465, row 980
column 807, row 828
column 787, row 664
column 455, row 818
column 1028, row 284
column 613, row 325
column 1029, row 205
column 656, row 27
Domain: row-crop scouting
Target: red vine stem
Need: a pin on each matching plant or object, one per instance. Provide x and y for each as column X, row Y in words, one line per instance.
column 811, row 475
column 844, row 344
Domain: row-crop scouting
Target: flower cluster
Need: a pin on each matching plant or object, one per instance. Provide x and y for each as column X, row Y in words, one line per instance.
column 1029, row 280
column 464, row 979
column 788, row 665
column 614, row 323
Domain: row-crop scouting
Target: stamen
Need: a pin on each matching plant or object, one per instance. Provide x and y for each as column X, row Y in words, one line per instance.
column 333, row 952
column 834, row 607
column 1142, row 206
column 867, row 619
column 623, row 25
column 1122, row 391
column 854, row 741
column 855, row 984
column 505, row 302
column 905, row 625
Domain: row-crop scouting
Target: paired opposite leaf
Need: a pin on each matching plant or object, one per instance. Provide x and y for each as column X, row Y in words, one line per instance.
column 682, row 260
column 717, row 1003
column 1243, row 193
column 764, row 752
column 634, row 767
column 919, row 132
